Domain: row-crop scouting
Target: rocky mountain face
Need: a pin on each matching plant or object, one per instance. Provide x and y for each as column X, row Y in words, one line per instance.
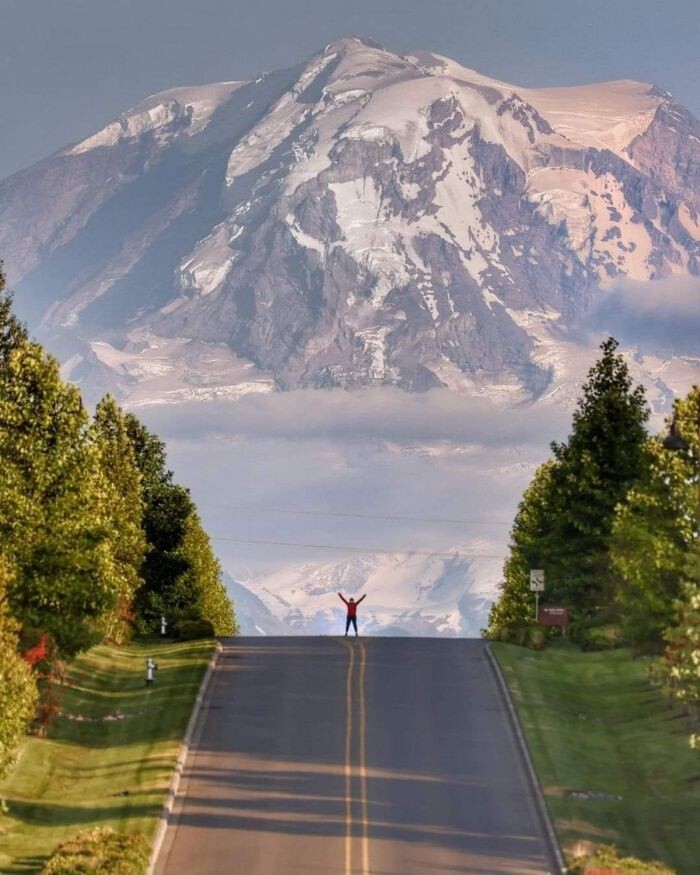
column 364, row 218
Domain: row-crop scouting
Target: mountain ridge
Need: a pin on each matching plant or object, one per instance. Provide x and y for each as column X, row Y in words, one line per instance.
column 362, row 218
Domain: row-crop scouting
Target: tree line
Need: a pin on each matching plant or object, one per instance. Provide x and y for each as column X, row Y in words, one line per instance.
column 613, row 518
column 97, row 540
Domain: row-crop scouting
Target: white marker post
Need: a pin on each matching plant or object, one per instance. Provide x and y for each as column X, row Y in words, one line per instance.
column 537, row 586
column 150, row 668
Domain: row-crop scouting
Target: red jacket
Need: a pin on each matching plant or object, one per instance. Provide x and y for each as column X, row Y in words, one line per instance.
column 352, row 606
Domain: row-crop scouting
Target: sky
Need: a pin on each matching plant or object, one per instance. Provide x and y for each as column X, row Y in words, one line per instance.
column 69, row 67
column 374, row 469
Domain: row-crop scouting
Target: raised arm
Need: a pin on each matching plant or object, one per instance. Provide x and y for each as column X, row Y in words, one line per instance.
column 344, row 599
column 361, row 599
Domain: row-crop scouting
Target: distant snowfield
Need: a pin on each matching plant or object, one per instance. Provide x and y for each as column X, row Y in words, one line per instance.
column 445, row 594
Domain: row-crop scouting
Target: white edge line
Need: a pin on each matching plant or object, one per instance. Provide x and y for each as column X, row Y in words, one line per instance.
column 543, row 811
column 166, row 811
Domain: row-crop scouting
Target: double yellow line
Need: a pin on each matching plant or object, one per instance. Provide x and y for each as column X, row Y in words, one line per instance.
column 362, row 758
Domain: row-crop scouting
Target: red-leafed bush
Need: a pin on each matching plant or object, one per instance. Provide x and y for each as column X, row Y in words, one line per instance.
column 38, row 653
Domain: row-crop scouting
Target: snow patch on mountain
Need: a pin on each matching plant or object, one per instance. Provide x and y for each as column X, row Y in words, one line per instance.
column 152, row 370
column 193, row 105
column 608, row 115
column 208, row 266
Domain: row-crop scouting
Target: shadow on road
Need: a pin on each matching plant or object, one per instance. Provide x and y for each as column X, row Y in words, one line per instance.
column 285, row 768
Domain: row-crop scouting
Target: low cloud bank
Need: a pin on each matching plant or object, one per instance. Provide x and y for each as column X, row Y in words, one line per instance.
column 659, row 315
column 385, row 413
column 456, row 466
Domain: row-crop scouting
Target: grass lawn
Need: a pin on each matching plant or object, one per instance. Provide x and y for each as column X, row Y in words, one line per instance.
column 102, row 772
column 593, row 723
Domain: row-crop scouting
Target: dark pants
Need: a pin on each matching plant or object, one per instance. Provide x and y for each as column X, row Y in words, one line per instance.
column 352, row 620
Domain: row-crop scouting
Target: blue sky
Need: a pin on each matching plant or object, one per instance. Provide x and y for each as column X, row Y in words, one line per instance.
column 69, row 66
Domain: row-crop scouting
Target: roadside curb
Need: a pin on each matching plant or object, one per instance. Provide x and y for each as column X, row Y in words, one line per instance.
column 164, row 819
column 552, row 841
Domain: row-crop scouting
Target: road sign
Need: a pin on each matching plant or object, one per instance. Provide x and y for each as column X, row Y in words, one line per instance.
column 553, row 615
column 537, row 580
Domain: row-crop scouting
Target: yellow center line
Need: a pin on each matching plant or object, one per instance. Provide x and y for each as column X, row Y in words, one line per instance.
column 363, row 760
column 362, row 756
column 348, row 761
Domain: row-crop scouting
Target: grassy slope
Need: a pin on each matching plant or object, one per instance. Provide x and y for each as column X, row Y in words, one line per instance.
column 593, row 723
column 106, row 773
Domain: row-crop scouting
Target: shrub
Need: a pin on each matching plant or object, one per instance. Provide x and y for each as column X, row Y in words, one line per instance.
column 531, row 635
column 606, row 861
column 102, row 852
column 188, row 630
column 592, row 636
column 38, row 650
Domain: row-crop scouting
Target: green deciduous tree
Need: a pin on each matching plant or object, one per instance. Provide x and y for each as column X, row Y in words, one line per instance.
column 651, row 535
column 123, row 509
column 91, row 522
column 654, row 531
column 203, row 578
column 12, row 333
column 52, row 532
column 18, row 692
column 682, row 656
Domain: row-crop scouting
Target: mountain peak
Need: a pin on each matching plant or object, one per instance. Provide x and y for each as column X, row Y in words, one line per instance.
column 366, row 218
column 348, row 44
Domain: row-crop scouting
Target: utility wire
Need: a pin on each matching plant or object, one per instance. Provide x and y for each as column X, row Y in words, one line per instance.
column 361, row 516
column 453, row 554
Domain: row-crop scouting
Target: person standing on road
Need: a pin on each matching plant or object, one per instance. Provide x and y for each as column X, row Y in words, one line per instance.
column 352, row 612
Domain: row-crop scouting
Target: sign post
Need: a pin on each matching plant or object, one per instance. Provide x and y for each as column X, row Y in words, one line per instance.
column 537, row 586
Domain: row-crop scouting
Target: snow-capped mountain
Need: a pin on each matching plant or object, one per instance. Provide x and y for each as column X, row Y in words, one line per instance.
column 363, row 218
column 407, row 594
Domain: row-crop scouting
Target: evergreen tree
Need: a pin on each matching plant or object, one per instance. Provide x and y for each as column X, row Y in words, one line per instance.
column 18, row 692
column 564, row 522
column 166, row 589
column 515, row 603
column 593, row 471
column 52, row 532
column 181, row 576
column 123, row 511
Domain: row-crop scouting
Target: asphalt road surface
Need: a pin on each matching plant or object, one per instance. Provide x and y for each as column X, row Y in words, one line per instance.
column 376, row 756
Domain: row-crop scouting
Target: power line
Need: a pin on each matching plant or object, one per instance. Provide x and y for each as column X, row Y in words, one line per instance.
column 361, row 516
column 454, row 554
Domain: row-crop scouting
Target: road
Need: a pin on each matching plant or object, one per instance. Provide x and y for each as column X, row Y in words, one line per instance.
column 377, row 756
